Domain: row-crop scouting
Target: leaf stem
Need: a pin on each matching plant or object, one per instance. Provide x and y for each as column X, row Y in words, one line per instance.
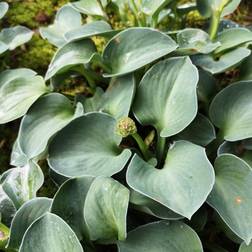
column 215, row 21
column 161, row 141
column 142, row 146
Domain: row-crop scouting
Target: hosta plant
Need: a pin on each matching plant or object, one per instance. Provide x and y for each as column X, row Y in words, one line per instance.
column 151, row 151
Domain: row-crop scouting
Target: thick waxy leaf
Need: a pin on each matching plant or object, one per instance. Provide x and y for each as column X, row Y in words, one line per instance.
column 72, row 54
column 7, row 208
column 24, row 217
column 165, row 99
column 3, row 47
column 231, row 38
column 3, row 9
column 152, row 8
column 245, row 248
column 22, row 183
column 149, row 206
column 15, row 36
column 193, row 41
column 223, row 63
column 46, row 117
column 67, row 19
column 106, row 209
column 182, row 185
column 200, row 131
column 88, row 7
column 95, row 28
column 231, row 111
column 73, row 192
column 245, row 70
column 134, row 48
column 210, row 7
column 90, row 147
column 117, row 99
column 162, row 236
column 231, row 196
column 50, row 233
column 18, row 94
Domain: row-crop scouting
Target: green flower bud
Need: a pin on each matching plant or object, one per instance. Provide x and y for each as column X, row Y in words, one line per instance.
column 126, row 127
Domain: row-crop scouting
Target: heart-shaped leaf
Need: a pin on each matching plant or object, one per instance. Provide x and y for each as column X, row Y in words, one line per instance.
column 230, row 111
column 231, row 196
column 24, row 217
column 134, row 48
column 18, row 93
column 151, row 207
column 74, row 192
column 46, row 117
column 162, row 236
column 245, row 248
column 88, row 7
column 57, row 236
column 7, row 208
column 55, row 32
column 216, row 65
column 117, row 99
column 193, row 41
column 72, row 54
column 90, row 147
column 201, row 131
column 164, row 99
column 106, row 209
column 3, row 9
column 22, row 183
column 231, row 38
column 15, row 36
column 96, row 28
column 182, row 185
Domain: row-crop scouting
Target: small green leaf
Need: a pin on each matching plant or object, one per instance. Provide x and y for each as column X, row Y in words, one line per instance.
column 74, row 192
column 3, row 9
column 217, row 65
column 50, row 233
column 134, row 48
column 15, row 36
column 245, row 248
column 7, row 208
column 90, row 147
column 55, row 32
column 182, row 185
column 46, row 117
column 231, row 38
column 70, row 55
column 153, row 8
column 96, row 28
column 165, row 99
column 25, row 216
column 231, row 196
column 18, row 158
column 230, row 111
column 117, row 99
column 88, row 7
column 162, row 236
column 22, row 183
column 18, row 93
column 105, row 210
column 201, row 131
column 193, row 41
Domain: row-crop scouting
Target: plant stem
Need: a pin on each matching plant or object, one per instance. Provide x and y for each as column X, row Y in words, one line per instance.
column 215, row 21
column 139, row 20
column 142, row 146
column 161, row 141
